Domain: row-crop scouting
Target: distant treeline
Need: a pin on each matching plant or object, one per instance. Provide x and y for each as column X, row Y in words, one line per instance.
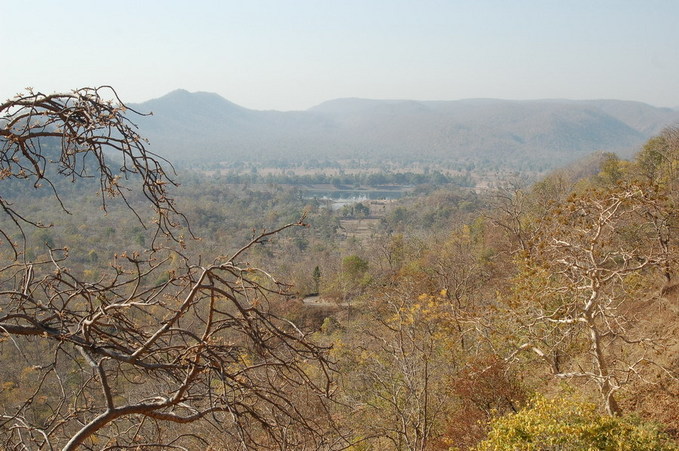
column 342, row 180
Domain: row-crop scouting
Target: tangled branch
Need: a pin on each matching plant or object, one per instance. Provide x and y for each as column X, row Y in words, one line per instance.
column 79, row 135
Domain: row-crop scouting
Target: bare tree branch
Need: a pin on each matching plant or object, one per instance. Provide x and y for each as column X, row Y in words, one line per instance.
column 132, row 350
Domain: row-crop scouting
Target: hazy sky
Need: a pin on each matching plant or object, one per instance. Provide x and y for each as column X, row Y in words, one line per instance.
column 293, row 54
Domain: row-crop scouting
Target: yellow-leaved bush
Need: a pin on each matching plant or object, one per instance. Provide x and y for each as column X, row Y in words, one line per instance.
column 570, row 424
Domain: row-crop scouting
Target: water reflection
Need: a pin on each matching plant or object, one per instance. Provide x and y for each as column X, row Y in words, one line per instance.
column 341, row 197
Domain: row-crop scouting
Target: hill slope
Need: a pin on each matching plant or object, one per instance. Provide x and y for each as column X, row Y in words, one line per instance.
column 547, row 133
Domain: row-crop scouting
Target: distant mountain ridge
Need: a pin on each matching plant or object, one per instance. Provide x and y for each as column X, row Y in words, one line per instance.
column 205, row 127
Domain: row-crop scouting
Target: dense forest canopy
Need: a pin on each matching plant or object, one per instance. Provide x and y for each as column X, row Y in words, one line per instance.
column 240, row 313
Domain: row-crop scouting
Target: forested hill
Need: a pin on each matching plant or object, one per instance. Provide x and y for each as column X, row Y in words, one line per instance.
column 193, row 127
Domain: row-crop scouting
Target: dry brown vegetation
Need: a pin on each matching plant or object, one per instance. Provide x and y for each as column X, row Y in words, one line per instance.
column 443, row 314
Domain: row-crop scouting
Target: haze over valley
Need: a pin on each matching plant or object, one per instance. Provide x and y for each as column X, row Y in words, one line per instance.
column 532, row 135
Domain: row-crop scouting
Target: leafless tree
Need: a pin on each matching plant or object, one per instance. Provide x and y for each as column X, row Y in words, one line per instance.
column 509, row 212
column 582, row 279
column 159, row 339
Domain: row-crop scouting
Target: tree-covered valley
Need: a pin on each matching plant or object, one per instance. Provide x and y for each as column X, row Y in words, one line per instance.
column 228, row 308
